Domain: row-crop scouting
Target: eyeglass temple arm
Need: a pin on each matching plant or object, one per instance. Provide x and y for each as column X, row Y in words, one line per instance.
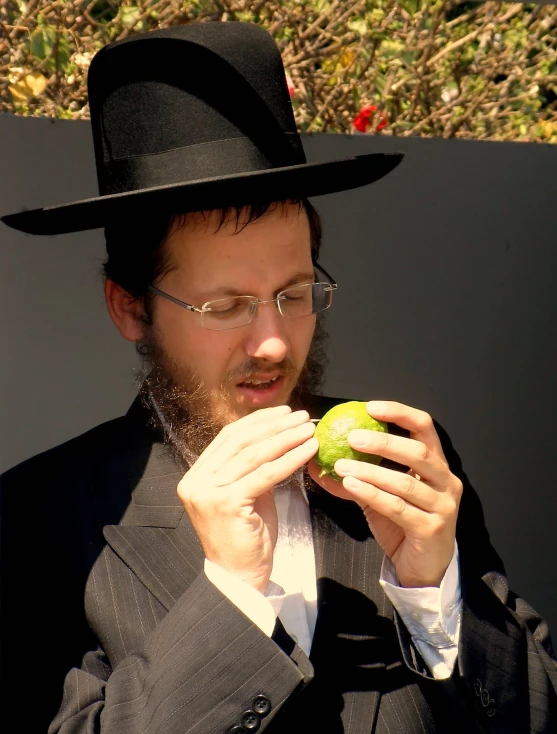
column 322, row 269
column 171, row 298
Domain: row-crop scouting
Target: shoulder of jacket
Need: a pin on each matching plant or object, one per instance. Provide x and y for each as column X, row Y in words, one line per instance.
column 93, row 445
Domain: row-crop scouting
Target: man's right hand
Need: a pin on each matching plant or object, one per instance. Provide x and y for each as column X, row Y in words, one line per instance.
column 228, row 492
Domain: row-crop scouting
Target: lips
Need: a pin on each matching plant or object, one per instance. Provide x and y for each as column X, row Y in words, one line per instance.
column 261, row 391
column 259, row 382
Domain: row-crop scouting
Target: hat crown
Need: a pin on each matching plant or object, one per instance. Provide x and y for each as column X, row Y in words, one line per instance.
column 201, row 100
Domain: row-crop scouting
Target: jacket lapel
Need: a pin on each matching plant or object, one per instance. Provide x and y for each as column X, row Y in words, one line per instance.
column 154, row 537
column 354, row 620
column 166, row 560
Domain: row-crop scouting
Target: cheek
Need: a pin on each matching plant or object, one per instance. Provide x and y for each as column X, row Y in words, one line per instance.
column 212, row 356
column 191, row 346
column 300, row 338
column 207, row 353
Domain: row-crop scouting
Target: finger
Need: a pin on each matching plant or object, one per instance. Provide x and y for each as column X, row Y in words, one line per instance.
column 413, row 453
column 255, row 455
column 402, row 485
column 267, row 475
column 418, row 422
column 329, row 484
column 402, row 513
column 263, row 414
column 236, row 436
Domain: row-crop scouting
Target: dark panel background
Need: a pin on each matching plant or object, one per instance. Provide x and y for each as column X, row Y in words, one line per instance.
column 447, row 301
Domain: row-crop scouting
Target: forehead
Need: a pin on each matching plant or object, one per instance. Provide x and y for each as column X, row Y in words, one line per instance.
column 212, row 253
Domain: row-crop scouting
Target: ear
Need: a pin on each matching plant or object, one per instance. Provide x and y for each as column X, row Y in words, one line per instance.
column 126, row 312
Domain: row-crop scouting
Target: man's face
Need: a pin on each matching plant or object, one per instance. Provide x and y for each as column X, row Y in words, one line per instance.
column 260, row 260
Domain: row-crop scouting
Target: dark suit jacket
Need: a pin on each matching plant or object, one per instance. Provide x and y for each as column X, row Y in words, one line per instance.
column 108, row 617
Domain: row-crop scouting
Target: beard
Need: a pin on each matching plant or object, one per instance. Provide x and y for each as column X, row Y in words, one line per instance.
column 190, row 415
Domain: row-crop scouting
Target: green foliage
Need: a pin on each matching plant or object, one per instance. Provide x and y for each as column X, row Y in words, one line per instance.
column 104, row 11
column 478, row 70
column 51, row 46
column 391, row 50
column 285, row 34
column 411, row 6
column 359, row 26
column 130, row 17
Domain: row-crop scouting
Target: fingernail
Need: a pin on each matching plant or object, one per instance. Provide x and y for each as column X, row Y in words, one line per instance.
column 342, row 466
column 376, row 407
column 351, row 483
column 359, row 438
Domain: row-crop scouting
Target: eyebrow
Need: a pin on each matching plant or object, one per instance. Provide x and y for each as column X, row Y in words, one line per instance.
column 296, row 279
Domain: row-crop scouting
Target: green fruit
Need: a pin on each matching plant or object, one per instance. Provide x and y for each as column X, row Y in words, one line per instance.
column 332, row 433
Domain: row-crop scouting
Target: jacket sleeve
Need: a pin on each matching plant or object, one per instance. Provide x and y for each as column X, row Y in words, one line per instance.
column 505, row 679
column 204, row 668
column 198, row 667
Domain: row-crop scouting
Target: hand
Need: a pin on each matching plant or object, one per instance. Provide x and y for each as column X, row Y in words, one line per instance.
column 228, row 492
column 412, row 516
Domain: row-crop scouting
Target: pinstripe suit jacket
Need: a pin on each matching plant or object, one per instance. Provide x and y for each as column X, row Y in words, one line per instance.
column 108, row 616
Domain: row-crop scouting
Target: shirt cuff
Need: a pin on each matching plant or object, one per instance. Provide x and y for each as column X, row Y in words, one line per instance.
column 432, row 615
column 261, row 610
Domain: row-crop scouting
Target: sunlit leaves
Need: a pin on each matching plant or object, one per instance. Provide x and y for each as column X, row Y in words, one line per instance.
column 360, row 26
column 26, row 86
column 51, row 46
column 483, row 70
column 391, row 49
column 130, row 15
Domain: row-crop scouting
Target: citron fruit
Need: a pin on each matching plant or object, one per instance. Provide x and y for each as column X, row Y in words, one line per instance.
column 332, row 433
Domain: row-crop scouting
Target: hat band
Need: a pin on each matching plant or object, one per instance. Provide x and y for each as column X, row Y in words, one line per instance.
column 194, row 162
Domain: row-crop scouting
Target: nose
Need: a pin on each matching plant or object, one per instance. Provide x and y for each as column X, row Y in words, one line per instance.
column 267, row 338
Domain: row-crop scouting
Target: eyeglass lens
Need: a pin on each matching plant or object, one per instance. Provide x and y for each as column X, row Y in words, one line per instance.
column 301, row 300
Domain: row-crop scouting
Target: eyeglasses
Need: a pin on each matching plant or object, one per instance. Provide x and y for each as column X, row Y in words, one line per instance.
column 236, row 311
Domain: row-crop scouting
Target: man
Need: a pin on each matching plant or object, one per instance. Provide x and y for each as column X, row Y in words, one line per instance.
column 177, row 570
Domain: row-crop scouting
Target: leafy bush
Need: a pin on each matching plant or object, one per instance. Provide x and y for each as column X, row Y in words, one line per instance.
column 433, row 68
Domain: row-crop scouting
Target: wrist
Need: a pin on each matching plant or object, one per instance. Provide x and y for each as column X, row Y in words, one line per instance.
column 246, row 597
column 420, row 583
column 429, row 580
column 259, row 581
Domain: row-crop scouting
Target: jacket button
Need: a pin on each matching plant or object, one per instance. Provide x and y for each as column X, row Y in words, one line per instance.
column 261, row 705
column 237, row 730
column 250, row 721
column 484, row 698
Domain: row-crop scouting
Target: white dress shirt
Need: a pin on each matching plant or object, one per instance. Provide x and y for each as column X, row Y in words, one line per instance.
column 432, row 615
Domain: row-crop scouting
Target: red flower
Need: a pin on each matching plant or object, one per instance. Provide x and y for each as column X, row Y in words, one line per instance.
column 363, row 118
column 291, row 87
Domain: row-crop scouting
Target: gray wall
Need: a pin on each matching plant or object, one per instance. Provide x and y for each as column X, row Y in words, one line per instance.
column 447, row 273
column 64, row 367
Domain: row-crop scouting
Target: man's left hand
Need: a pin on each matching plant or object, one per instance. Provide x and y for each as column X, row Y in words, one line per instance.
column 412, row 516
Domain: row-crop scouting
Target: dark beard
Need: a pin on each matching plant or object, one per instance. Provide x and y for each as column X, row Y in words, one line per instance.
column 188, row 421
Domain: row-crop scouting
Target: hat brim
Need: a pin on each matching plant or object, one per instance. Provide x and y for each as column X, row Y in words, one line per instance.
column 275, row 184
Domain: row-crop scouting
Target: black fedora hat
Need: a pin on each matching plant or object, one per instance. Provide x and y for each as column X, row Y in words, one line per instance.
column 195, row 117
